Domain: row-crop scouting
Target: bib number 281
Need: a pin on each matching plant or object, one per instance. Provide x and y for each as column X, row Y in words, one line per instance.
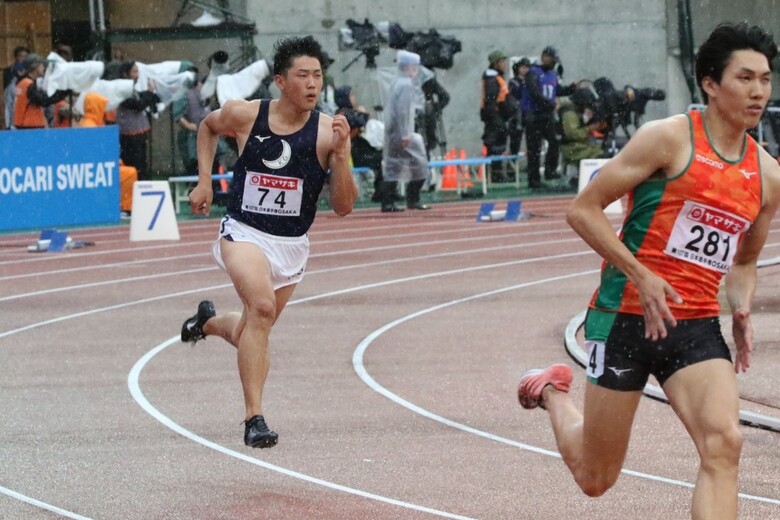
column 706, row 236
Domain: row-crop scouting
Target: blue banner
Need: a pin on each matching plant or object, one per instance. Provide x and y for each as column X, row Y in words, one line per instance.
column 59, row 177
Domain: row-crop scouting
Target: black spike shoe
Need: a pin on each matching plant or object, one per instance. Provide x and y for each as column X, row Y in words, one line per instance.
column 192, row 329
column 257, row 434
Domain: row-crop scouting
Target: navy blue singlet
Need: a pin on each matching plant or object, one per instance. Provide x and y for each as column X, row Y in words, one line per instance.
column 278, row 178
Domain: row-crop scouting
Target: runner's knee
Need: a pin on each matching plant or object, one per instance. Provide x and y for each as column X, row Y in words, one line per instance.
column 721, row 448
column 596, row 484
column 261, row 308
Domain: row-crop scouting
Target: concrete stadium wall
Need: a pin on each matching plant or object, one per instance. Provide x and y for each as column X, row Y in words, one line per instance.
column 594, row 38
column 631, row 42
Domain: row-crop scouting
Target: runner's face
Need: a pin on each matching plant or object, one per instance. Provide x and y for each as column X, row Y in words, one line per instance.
column 302, row 83
column 744, row 89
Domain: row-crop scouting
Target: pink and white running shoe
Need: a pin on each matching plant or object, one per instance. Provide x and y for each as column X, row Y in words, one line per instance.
column 529, row 391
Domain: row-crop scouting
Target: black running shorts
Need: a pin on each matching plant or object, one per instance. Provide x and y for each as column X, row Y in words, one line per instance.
column 626, row 359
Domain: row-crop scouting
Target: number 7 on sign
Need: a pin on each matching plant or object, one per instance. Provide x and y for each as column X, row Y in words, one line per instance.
column 160, row 194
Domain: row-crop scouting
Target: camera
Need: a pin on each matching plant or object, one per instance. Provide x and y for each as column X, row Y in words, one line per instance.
column 622, row 108
column 355, row 118
column 435, row 50
column 364, row 37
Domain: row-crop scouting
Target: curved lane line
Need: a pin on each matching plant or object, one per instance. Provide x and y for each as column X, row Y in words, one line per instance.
column 223, row 286
column 135, row 391
column 360, row 370
column 43, row 505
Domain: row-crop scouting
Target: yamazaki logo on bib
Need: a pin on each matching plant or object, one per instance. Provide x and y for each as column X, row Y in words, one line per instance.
column 717, row 219
column 274, row 181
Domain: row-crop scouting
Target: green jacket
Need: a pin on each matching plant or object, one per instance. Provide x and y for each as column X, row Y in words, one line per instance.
column 576, row 143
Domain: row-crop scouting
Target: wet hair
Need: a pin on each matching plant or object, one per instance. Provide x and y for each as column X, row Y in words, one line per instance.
column 715, row 53
column 287, row 49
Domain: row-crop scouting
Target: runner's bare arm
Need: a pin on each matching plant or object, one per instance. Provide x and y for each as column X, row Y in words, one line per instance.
column 657, row 146
column 224, row 121
column 740, row 282
column 343, row 191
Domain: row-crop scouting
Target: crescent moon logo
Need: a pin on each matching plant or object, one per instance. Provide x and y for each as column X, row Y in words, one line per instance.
column 283, row 159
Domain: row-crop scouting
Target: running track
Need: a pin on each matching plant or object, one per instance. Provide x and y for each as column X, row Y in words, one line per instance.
column 391, row 385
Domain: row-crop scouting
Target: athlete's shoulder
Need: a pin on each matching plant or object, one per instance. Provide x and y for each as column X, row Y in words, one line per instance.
column 770, row 174
column 240, row 109
column 665, row 134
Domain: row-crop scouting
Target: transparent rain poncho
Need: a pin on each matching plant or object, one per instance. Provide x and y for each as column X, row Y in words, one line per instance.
column 404, row 150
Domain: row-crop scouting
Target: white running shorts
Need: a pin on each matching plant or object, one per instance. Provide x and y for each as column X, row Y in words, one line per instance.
column 286, row 255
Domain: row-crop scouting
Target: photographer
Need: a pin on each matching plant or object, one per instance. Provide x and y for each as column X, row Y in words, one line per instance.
column 579, row 128
column 31, row 99
column 540, row 103
column 363, row 154
column 494, row 111
column 429, row 119
column 133, row 122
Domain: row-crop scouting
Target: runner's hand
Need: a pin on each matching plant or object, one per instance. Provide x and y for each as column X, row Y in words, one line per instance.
column 653, row 294
column 742, row 329
column 200, row 200
column 340, row 141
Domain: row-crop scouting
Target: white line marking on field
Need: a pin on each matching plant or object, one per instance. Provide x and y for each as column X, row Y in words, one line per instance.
column 43, row 505
column 360, row 369
column 135, row 391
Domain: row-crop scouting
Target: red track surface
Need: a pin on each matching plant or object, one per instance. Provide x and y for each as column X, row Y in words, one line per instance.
column 391, row 386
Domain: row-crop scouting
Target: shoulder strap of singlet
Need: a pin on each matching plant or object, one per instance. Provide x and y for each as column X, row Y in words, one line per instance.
column 261, row 121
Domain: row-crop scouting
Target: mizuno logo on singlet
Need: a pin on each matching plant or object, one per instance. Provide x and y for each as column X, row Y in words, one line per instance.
column 261, row 139
column 709, row 162
column 746, row 173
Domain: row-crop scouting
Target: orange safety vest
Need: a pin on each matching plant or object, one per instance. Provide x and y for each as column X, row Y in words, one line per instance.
column 27, row 115
column 686, row 228
column 503, row 91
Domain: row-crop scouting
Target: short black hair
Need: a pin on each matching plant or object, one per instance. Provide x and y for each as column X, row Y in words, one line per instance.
column 287, row 49
column 20, row 49
column 715, row 53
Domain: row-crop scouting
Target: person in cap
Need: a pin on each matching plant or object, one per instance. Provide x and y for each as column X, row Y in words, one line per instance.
column 539, row 105
column 30, row 99
column 516, row 88
column 494, row 110
column 404, row 150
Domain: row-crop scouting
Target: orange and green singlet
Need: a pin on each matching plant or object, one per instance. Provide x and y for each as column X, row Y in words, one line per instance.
column 685, row 229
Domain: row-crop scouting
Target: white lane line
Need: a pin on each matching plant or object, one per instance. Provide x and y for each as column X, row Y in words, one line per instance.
column 109, row 308
column 106, row 282
column 360, row 370
column 312, row 272
column 343, row 291
column 43, row 505
column 315, row 243
column 135, row 391
column 466, row 428
column 294, row 302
